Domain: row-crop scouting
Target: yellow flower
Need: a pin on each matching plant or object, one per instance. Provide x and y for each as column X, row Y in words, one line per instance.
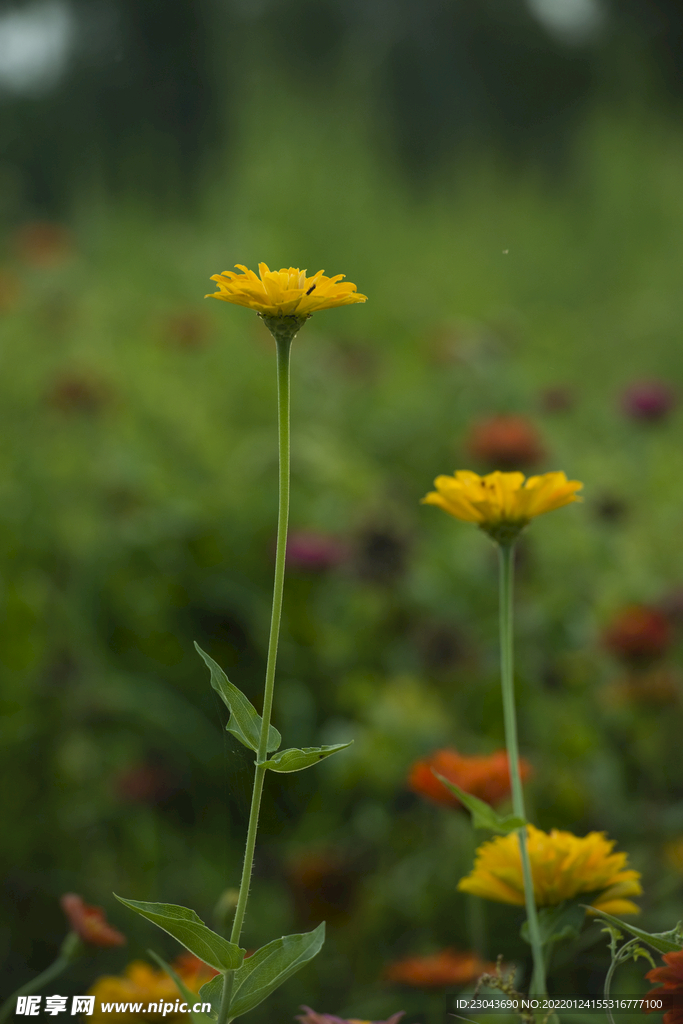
column 562, row 865
column 141, row 983
column 501, row 504
column 286, row 292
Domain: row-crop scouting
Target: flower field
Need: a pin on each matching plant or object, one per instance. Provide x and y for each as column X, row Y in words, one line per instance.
column 514, row 322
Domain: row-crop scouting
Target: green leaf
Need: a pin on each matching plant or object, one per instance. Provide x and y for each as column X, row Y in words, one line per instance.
column 663, row 942
column 245, row 721
column 190, row 930
column 188, row 995
column 294, row 760
column 483, row 815
column 212, row 992
column 557, row 924
column 270, row 966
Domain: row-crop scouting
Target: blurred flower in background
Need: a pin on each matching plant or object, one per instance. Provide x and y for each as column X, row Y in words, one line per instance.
column 10, row 290
column 313, row 551
column 648, row 401
column 43, row 244
column 501, row 504
column 505, row 443
column 323, row 884
column 655, row 685
column 78, row 391
column 638, row 634
column 484, row 776
column 142, row 983
column 438, row 970
column 673, row 854
column 90, row 923
column 148, row 782
column 381, row 554
column 311, row 1017
column 185, row 330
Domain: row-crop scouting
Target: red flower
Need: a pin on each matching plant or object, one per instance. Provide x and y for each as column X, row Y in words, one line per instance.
column 505, row 442
column 486, row 777
column 90, row 923
column 638, row 634
column 671, row 977
column 440, row 970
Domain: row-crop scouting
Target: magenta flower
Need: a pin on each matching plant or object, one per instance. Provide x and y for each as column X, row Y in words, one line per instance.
column 310, row 551
column 648, row 401
column 311, row 1017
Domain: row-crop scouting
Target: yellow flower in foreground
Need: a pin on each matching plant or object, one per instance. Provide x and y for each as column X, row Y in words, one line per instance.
column 141, row 983
column 562, row 866
column 286, row 292
column 501, row 503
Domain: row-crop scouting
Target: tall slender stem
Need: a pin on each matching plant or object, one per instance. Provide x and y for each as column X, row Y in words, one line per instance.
column 506, row 552
column 49, row 974
column 283, row 351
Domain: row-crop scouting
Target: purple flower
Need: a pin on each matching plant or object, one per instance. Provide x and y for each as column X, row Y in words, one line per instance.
column 311, row 1017
column 648, row 400
column 309, row 551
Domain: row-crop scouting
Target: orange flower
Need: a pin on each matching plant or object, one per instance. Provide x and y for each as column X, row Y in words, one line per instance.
column 505, row 442
column 90, row 923
column 484, row 776
column 43, row 243
column 440, row 970
column 671, row 977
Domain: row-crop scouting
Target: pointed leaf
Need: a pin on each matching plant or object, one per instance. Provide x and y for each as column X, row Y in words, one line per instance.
column 245, row 721
column 190, row 930
column 188, row 995
column 557, row 923
column 294, row 760
column 212, row 992
column 663, row 942
column 483, row 815
column 272, row 965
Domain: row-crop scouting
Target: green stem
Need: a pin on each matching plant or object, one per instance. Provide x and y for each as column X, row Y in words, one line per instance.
column 283, row 351
column 506, row 551
column 51, row 972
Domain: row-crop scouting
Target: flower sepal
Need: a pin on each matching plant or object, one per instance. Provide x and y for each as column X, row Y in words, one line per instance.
column 504, row 533
column 558, row 924
column 483, row 815
column 663, row 942
column 284, row 328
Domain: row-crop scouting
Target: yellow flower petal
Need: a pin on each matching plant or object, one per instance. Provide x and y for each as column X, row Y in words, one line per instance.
column 501, row 503
column 562, row 865
column 284, row 292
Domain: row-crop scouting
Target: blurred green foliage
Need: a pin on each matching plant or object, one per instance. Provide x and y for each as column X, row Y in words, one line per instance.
column 138, row 483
